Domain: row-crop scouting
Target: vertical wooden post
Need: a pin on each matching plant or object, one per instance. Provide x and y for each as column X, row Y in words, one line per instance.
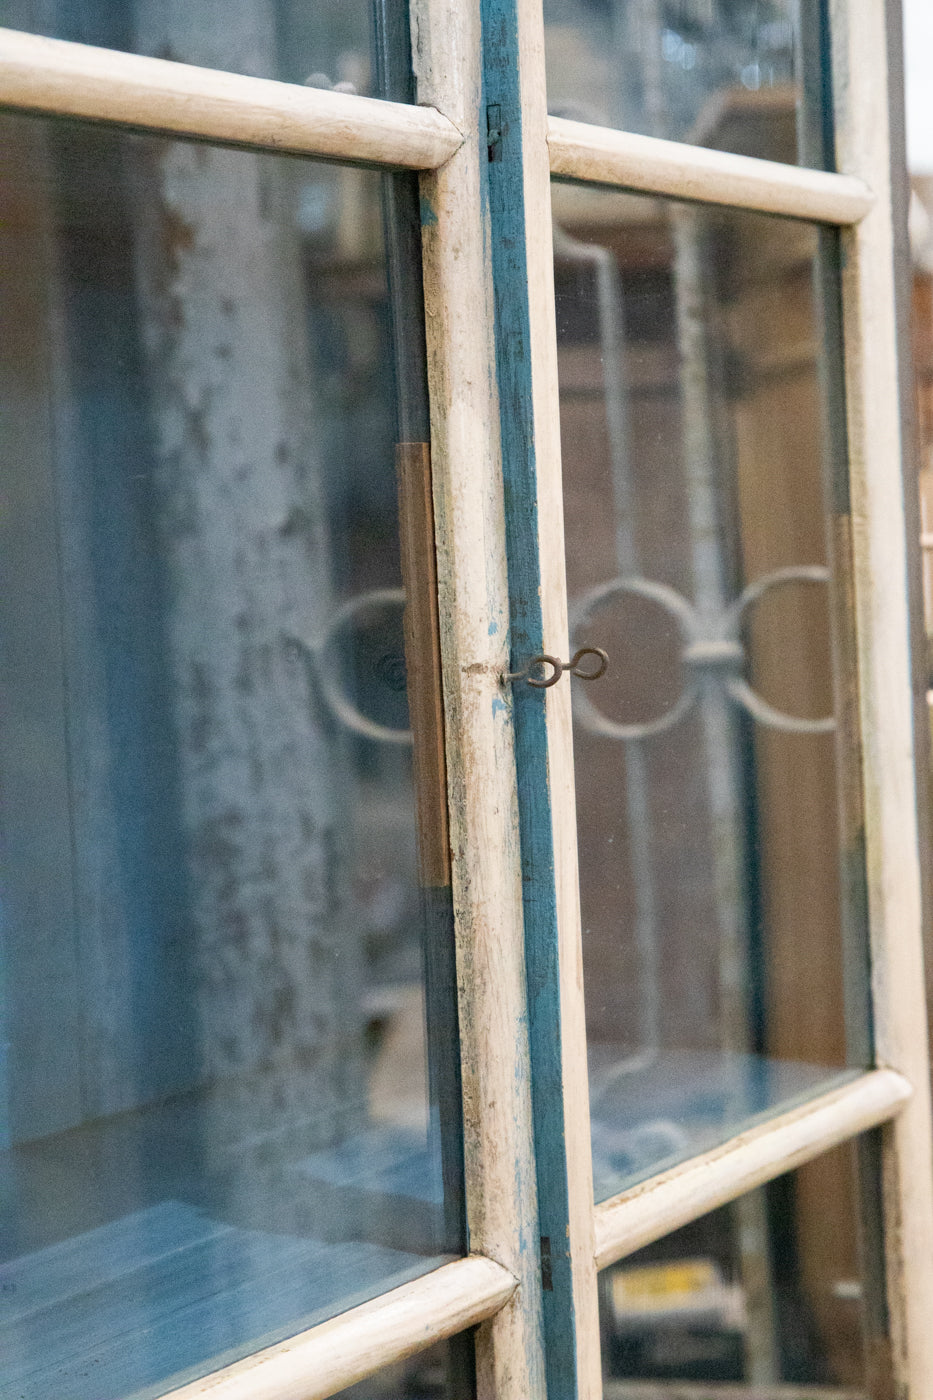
column 474, row 629
column 518, row 168
column 863, row 136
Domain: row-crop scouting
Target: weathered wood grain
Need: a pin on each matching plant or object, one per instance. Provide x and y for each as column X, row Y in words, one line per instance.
column 523, row 259
column 474, row 621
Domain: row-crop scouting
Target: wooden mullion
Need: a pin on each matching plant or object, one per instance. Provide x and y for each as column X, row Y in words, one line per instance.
column 625, row 159
column 526, row 366
column 56, row 78
column 880, row 517
column 691, row 1189
column 501, row 1192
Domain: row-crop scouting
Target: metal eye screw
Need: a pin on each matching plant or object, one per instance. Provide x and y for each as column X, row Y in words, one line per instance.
column 559, row 667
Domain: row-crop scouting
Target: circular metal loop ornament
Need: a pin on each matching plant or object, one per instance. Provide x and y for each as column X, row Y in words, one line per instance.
column 343, row 710
column 710, row 647
column 683, row 614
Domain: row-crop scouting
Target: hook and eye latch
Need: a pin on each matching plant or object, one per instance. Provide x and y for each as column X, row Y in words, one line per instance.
column 551, row 668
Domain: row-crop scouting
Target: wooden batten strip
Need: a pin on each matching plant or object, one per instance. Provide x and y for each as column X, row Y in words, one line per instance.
column 348, row 1348
column 57, row 78
column 423, row 660
column 527, row 370
column 663, row 1204
column 470, row 537
column 601, row 155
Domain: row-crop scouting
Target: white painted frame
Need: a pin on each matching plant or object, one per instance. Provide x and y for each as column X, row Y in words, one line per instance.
column 879, row 542
column 474, row 610
column 604, row 156
column 496, row 1286
column 353, row 1345
column 758, row 1154
column 858, row 200
column 61, row 79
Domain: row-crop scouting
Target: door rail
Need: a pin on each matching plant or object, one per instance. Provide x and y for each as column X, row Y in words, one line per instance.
column 350, row 1347
column 664, row 1203
column 601, row 155
column 57, row 78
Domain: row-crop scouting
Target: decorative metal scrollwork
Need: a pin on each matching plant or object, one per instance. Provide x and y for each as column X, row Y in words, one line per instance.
column 711, row 646
column 327, row 674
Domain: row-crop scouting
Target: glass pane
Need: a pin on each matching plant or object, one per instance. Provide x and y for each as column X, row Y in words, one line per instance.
column 762, row 1300
column 704, row 557
column 322, row 45
column 735, row 75
column 220, row 1119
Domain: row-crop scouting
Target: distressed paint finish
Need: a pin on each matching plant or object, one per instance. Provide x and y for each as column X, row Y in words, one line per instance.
column 77, row 80
column 354, row 1345
column 526, row 347
column 247, row 564
column 472, row 578
column 473, row 597
column 860, row 62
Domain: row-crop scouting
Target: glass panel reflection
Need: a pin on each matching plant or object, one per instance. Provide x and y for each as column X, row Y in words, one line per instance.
column 736, row 75
column 220, row 1119
column 322, row 45
column 701, row 555
column 762, row 1300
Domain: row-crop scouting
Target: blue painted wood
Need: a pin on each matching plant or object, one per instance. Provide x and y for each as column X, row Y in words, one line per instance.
column 507, row 230
column 169, row 1293
column 683, row 1103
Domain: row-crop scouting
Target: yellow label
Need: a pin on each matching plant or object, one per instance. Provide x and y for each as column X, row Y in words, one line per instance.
column 659, row 1286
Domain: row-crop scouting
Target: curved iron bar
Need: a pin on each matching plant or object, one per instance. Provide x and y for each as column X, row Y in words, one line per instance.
column 343, row 710
column 710, row 646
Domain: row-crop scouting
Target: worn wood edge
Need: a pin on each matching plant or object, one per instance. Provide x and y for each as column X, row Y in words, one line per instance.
column 859, row 36
column 539, row 252
column 664, row 1203
column 469, row 514
column 56, row 78
column 348, row 1348
column 604, row 156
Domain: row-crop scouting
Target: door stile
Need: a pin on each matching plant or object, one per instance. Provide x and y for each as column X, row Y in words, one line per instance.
column 861, row 56
column 526, row 344
column 501, row 1192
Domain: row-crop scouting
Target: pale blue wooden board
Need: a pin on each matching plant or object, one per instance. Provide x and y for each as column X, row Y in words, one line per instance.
column 684, row 1102
column 60, row 1271
column 191, row 1292
column 138, row 1256
column 393, row 1162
